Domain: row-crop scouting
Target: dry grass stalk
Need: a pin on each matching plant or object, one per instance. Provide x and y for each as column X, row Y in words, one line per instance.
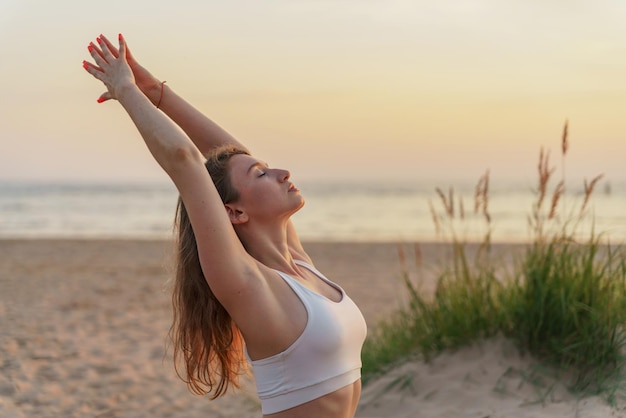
column 588, row 190
column 481, row 196
column 545, row 172
column 486, row 197
column 564, row 148
column 485, row 245
column 418, row 255
column 443, row 197
column 478, row 193
column 461, row 208
column 451, row 203
column 558, row 192
column 448, row 202
column 402, row 257
column 564, row 142
column 435, row 217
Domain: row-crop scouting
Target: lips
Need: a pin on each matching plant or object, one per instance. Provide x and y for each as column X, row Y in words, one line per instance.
column 292, row 188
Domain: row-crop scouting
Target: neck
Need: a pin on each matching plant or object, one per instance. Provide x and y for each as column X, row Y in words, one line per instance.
column 267, row 244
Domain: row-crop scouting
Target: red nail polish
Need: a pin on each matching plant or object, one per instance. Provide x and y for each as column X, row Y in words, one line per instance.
column 85, row 65
column 89, row 48
column 119, row 36
column 100, row 100
column 99, row 40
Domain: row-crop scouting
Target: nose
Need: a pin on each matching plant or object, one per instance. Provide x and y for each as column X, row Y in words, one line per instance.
column 283, row 175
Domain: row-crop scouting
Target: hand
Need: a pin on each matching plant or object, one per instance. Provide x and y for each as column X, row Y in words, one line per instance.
column 147, row 83
column 112, row 70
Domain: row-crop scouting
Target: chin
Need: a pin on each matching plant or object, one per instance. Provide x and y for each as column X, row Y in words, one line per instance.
column 300, row 205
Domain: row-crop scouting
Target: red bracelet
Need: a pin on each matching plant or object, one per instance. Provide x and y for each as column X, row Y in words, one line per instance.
column 161, row 96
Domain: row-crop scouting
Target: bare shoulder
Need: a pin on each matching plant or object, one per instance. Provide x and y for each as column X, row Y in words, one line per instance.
column 244, row 284
column 268, row 313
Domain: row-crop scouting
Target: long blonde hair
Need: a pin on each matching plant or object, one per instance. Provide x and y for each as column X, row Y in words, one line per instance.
column 206, row 342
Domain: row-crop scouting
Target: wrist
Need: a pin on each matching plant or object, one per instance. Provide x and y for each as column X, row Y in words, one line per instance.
column 153, row 91
column 123, row 91
column 158, row 105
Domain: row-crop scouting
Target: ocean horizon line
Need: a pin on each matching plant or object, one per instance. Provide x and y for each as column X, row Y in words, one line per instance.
column 352, row 211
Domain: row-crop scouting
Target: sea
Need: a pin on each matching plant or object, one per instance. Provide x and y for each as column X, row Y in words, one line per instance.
column 348, row 211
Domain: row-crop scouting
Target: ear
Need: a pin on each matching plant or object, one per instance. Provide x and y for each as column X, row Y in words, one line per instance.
column 235, row 215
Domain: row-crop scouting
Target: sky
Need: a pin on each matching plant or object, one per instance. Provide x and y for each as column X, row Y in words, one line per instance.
column 334, row 90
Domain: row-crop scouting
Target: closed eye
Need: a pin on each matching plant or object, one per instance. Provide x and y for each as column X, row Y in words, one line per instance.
column 259, row 166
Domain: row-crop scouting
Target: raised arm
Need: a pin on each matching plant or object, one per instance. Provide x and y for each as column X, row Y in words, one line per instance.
column 222, row 254
column 204, row 133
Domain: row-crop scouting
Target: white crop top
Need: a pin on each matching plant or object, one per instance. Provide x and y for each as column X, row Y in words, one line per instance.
column 324, row 358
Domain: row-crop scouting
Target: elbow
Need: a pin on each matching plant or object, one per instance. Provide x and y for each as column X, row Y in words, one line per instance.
column 185, row 153
column 181, row 157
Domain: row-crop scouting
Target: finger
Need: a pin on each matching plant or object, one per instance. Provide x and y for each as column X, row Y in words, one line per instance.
column 87, row 65
column 97, row 48
column 129, row 55
column 106, row 52
column 122, row 46
column 109, row 45
column 92, row 69
column 104, row 97
column 96, row 54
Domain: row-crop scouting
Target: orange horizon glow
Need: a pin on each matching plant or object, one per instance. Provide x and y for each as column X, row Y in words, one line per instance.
column 349, row 90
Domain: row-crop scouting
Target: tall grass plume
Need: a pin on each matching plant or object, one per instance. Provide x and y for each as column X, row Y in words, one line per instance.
column 562, row 299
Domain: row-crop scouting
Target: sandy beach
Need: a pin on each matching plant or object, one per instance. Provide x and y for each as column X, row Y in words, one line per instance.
column 84, row 326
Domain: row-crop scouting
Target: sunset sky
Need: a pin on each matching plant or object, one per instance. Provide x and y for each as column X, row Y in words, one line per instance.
column 342, row 89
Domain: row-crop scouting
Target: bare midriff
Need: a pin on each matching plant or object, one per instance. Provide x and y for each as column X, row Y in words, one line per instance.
column 341, row 403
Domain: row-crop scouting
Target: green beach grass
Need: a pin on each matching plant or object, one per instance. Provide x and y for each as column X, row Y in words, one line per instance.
column 562, row 298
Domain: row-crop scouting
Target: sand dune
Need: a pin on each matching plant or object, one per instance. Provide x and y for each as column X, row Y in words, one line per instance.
column 490, row 379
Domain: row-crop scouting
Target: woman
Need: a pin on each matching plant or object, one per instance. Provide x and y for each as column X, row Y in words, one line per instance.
column 242, row 273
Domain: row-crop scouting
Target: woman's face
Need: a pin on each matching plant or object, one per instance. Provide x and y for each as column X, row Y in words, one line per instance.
column 264, row 192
